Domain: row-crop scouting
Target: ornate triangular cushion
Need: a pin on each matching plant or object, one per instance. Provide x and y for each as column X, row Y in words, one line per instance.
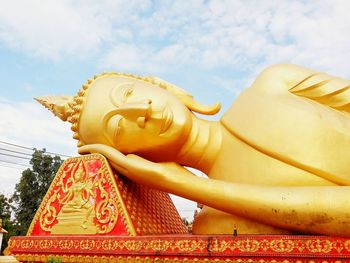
column 87, row 197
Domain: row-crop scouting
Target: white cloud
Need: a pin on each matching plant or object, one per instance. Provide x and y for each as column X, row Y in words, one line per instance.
column 166, row 35
column 9, row 177
column 239, row 35
column 231, row 85
column 146, row 59
column 28, row 124
column 54, row 29
column 126, row 57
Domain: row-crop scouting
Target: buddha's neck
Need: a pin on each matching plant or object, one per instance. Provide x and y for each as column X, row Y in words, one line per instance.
column 202, row 145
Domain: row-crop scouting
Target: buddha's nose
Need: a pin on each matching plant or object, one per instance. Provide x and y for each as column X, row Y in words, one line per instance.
column 139, row 111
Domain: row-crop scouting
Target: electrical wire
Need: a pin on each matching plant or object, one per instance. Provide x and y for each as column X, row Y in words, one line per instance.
column 11, row 152
column 21, row 164
column 16, row 145
column 32, row 149
column 13, row 167
column 2, row 149
column 15, row 156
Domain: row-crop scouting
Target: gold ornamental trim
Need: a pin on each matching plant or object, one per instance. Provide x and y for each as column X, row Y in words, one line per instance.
column 194, row 245
column 141, row 259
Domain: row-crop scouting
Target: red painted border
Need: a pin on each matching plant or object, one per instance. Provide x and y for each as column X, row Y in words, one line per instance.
column 218, row 246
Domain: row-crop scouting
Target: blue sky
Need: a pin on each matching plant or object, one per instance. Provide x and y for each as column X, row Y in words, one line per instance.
column 213, row 49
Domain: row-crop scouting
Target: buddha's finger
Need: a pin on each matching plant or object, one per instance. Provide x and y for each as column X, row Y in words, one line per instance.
column 119, row 168
column 116, row 158
column 105, row 150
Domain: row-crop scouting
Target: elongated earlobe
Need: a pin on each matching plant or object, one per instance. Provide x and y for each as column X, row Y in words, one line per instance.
column 185, row 97
column 195, row 106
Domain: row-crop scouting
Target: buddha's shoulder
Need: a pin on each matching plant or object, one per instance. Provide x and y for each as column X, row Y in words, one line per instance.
column 288, row 84
column 304, row 82
column 287, row 75
column 285, row 69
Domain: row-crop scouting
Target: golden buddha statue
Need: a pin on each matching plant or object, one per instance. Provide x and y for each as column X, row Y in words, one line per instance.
column 277, row 161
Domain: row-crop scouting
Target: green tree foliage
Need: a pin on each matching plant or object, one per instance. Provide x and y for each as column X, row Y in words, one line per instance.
column 32, row 187
column 5, row 215
column 5, row 207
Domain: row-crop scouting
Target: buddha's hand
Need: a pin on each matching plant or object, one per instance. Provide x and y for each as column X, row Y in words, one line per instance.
column 138, row 169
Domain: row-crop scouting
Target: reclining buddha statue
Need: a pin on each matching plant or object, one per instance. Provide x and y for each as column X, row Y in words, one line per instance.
column 277, row 161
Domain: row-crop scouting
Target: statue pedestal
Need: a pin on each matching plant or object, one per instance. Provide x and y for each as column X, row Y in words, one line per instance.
column 182, row 248
column 90, row 214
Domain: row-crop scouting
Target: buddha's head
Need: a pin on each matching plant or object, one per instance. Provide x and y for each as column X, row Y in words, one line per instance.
column 132, row 114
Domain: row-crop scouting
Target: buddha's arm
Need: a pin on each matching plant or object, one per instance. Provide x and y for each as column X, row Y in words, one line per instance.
column 316, row 210
column 319, row 210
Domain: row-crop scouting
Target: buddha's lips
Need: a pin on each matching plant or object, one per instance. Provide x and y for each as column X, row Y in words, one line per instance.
column 167, row 119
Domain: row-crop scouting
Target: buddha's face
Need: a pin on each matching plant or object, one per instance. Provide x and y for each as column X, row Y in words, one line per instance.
column 133, row 116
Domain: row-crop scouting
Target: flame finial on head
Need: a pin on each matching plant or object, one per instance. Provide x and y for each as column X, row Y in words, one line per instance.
column 67, row 108
column 58, row 105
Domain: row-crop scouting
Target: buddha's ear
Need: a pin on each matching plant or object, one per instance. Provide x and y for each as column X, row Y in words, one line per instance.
column 60, row 106
column 187, row 98
column 195, row 106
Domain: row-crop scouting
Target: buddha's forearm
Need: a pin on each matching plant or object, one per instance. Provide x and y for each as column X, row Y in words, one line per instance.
column 307, row 209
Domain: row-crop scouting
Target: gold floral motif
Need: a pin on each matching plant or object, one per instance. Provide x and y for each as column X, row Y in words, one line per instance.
column 221, row 246
column 338, row 246
column 347, row 245
column 65, row 244
column 98, row 244
column 11, row 244
column 76, row 244
column 65, row 174
column 319, row 246
column 55, row 244
column 247, row 245
column 282, row 245
column 300, row 245
column 106, row 209
column 189, row 245
column 45, row 244
column 133, row 245
column 158, row 245
column 49, row 214
column 27, row 244
column 109, row 244
column 264, row 245
column 87, row 244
